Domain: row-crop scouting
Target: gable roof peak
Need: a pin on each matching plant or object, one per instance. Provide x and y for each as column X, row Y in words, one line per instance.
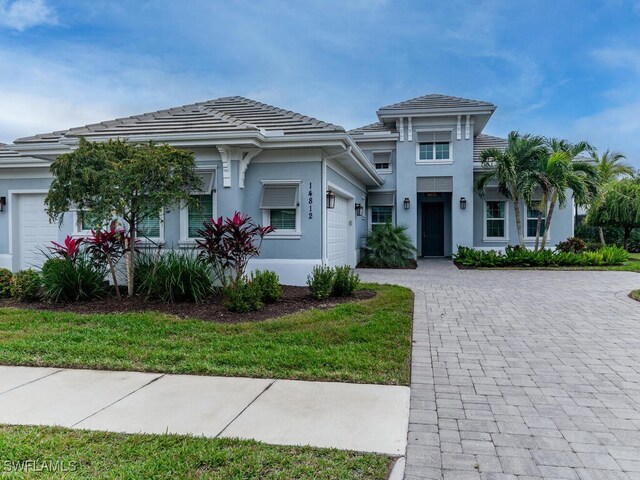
column 435, row 102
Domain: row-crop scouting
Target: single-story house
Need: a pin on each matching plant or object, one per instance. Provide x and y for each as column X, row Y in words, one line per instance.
column 321, row 187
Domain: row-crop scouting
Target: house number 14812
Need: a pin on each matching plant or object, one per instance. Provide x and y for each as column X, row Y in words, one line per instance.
column 310, row 202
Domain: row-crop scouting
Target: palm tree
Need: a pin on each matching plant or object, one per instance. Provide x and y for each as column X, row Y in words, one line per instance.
column 559, row 171
column 508, row 169
column 610, row 167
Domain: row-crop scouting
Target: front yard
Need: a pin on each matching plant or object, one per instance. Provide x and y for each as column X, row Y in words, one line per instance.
column 361, row 342
column 84, row 454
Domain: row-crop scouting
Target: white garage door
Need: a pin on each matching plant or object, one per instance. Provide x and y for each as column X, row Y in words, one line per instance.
column 35, row 233
column 338, row 233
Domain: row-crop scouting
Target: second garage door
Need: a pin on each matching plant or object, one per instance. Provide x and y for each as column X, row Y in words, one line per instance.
column 35, row 233
column 338, row 233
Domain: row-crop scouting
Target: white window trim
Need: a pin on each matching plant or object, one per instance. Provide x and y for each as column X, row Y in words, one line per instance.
column 370, row 215
column 506, row 223
column 266, row 214
column 384, row 171
column 533, row 239
column 448, row 161
column 77, row 232
column 185, row 241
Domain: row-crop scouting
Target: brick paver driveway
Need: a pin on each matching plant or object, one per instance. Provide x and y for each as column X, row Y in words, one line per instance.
column 522, row 374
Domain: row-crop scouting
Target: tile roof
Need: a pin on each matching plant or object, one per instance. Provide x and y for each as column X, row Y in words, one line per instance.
column 227, row 114
column 482, row 142
column 436, row 102
column 376, row 127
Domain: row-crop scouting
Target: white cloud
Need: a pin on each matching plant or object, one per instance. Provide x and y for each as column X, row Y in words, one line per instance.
column 23, row 14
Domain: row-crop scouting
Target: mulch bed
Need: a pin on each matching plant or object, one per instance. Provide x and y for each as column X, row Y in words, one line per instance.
column 294, row 299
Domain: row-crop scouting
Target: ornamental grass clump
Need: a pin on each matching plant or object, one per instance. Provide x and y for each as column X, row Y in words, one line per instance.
column 388, row 246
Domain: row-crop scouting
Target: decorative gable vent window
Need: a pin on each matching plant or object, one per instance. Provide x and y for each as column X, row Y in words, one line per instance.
column 281, row 207
column 382, row 162
column 192, row 218
column 434, row 147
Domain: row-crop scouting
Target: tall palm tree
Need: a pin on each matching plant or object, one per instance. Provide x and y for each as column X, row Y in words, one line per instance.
column 507, row 168
column 559, row 171
column 610, row 167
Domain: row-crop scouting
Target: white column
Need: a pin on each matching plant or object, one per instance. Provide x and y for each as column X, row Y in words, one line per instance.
column 401, row 128
column 467, row 130
column 409, row 131
column 459, row 129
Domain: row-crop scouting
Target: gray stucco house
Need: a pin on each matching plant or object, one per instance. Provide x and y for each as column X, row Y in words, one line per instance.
column 414, row 166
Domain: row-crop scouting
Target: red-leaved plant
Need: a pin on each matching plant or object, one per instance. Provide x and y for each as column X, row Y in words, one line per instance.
column 69, row 250
column 108, row 245
column 229, row 244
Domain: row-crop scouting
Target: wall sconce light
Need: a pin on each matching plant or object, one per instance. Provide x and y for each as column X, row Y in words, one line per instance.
column 331, row 199
column 359, row 209
column 3, row 202
column 407, row 203
column 463, row 203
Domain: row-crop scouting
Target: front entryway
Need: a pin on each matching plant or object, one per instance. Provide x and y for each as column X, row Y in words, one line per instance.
column 433, row 229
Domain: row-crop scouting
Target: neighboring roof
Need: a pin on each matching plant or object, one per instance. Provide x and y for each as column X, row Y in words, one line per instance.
column 227, row 114
column 376, row 127
column 482, row 142
column 435, row 102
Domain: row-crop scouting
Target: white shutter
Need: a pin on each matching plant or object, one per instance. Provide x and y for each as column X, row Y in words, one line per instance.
column 279, row 196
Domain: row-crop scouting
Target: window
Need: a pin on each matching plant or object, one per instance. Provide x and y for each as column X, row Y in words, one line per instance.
column 382, row 162
column 280, row 207
column 192, row 219
column 434, row 151
column 197, row 216
column 495, row 219
column 532, row 222
column 149, row 227
column 380, row 216
column 86, row 221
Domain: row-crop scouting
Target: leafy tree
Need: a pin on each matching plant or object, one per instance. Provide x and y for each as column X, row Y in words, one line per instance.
column 610, row 167
column 618, row 205
column 119, row 179
column 509, row 168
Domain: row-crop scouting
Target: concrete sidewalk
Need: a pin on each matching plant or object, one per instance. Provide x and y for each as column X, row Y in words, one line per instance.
column 368, row 418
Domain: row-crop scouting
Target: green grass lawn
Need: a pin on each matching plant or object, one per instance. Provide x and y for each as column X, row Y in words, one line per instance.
column 85, row 454
column 361, row 342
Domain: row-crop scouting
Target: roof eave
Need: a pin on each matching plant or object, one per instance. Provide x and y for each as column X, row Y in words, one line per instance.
column 433, row 112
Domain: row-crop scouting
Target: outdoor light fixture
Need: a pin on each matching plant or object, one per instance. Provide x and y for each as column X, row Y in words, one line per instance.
column 359, row 209
column 463, row 203
column 3, row 202
column 331, row 199
column 406, row 203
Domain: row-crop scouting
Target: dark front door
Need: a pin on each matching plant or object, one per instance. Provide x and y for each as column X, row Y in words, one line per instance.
column 433, row 229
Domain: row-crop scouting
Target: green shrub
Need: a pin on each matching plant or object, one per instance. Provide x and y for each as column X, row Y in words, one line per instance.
column 612, row 255
column 5, row 282
column 244, row 296
column 269, row 285
column 66, row 280
column 573, row 245
column 26, row 286
column 174, row 276
column 345, row 281
column 478, row 258
column 388, row 246
column 320, row 282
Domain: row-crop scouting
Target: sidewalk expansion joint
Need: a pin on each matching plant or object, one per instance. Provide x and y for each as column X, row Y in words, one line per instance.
column 32, row 381
column 119, row 399
column 245, row 408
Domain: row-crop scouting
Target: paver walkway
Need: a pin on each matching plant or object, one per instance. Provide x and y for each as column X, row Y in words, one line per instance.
column 522, row 374
column 370, row 418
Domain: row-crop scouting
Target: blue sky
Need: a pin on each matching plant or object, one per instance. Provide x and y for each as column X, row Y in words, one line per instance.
column 559, row 68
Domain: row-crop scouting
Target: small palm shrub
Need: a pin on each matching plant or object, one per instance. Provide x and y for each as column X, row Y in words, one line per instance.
column 320, row 282
column 65, row 279
column 269, row 285
column 612, row 255
column 388, row 246
column 243, row 296
column 26, row 286
column 573, row 245
column 345, row 281
column 5, row 282
column 174, row 276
